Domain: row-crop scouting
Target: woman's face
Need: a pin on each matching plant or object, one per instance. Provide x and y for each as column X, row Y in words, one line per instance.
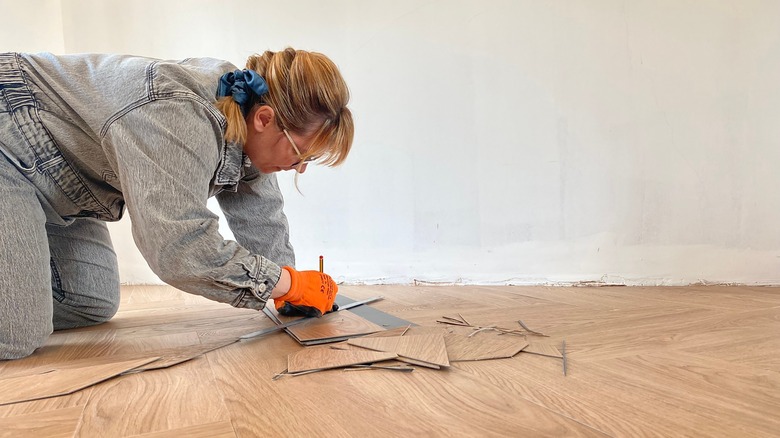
column 268, row 147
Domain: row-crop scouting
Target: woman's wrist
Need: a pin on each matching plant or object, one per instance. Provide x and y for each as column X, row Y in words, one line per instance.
column 283, row 285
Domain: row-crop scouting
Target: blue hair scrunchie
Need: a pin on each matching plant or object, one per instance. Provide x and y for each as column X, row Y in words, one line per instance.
column 239, row 84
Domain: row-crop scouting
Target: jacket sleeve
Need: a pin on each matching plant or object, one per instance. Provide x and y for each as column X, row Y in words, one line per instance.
column 255, row 215
column 165, row 155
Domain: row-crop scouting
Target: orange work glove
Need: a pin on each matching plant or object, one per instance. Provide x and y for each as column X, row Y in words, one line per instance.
column 311, row 293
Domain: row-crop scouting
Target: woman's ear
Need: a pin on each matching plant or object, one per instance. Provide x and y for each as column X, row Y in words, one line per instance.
column 262, row 117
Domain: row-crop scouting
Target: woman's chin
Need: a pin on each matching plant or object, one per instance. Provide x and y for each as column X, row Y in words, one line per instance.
column 269, row 169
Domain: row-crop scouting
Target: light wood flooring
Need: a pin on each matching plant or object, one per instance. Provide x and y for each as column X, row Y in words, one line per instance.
column 692, row 361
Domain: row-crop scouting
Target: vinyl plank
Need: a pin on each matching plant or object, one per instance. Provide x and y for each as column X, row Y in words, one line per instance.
column 720, row 333
column 419, row 304
column 676, row 409
column 59, row 423
column 634, row 297
column 118, row 346
column 61, row 381
column 64, row 346
column 322, row 358
column 744, row 382
column 174, row 356
column 714, row 297
column 609, row 405
column 425, row 348
column 453, row 403
column 333, row 325
column 758, row 348
column 154, row 401
column 74, row 365
column 493, row 297
column 171, row 350
column 183, row 321
column 188, row 316
column 712, row 393
column 408, row 331
column 419, row 363
column 78, row 398
column 657, row 319
column 234, row 328
column 593, row 298
column 739, row 344
column 430, row 402
column 248, row 365
column 157, row 343
column 482, row 346
column 543, row 349
column 220, row 429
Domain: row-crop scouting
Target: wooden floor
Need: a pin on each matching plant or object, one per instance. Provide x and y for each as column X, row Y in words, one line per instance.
column 694, row 361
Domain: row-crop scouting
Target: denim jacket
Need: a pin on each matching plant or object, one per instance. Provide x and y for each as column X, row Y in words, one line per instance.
column 126, row 131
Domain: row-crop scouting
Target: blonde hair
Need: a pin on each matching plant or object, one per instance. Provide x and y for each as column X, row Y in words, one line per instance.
column 306, row 90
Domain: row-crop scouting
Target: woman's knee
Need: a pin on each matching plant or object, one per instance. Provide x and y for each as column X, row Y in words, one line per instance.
column 109, row 304
column 86, row 308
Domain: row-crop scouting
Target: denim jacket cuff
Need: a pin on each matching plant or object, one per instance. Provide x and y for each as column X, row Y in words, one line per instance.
column 263, row 278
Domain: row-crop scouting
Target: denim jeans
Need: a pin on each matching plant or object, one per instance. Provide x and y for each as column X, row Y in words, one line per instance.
column 54, row 273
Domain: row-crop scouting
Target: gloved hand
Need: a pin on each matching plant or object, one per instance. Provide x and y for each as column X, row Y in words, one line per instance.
column 311, row 293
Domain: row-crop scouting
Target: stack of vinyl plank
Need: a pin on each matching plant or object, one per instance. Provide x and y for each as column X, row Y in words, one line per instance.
column 429, row 347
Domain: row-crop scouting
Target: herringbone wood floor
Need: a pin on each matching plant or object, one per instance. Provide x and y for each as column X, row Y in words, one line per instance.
column 692, row 361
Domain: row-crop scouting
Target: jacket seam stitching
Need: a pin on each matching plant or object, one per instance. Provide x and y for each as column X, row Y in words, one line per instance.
column 166, row 96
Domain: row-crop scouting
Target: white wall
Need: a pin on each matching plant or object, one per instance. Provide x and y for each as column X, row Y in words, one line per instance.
column 31, row 26
column 508, row 142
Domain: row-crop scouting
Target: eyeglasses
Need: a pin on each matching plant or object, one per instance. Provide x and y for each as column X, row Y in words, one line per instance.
column 297, row 152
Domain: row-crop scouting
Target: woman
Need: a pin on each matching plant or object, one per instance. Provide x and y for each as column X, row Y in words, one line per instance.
column 84, row 136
